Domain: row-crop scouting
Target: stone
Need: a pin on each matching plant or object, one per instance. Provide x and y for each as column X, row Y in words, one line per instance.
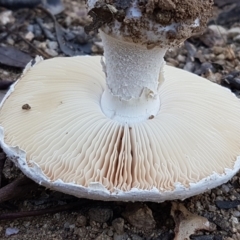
column 81, row 221
column 11, row 231
column 29, row 36
column 118, row 225
column 136, row 237
column 218, row 29
column 52, row 45
column 100, row 215
column 103, row 236
column 236, row 213
column 233, row 32
column 237, row 38
column 120, row 237
column 140, row 216
column 51, row 52
column 225, row 188
column 6, row 17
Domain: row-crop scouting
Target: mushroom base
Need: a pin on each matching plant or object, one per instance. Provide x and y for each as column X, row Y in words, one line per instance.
column 66, row 143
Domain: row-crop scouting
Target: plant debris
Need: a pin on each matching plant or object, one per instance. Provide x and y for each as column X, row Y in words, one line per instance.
column 11, row 56
column 227, row 204
column 188, row 223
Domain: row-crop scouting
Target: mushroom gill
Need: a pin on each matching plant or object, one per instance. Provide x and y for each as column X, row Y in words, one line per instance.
column 65, row 133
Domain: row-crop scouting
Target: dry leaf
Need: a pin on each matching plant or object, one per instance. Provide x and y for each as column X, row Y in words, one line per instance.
column 188, row 223
column 12, row 57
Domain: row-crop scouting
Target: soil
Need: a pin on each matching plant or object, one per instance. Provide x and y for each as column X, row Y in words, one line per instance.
column 153, row 15
column 214, row 55
column 187, row 10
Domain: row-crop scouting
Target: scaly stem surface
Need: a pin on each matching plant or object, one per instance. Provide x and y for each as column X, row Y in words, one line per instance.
column 133, row 80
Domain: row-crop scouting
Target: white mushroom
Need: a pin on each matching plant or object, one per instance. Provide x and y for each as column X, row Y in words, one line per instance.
column 138, row 131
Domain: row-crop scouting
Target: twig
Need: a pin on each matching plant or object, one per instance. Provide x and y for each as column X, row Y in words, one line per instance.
column 69, row 50
column 66, row 207
column 17, row 188
column 45, row 55
column 47, row 12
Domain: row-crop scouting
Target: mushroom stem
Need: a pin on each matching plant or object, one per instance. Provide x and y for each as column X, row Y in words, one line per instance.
column 132, row 76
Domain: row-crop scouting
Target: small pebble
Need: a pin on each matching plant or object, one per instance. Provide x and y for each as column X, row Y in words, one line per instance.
column 10, row 41
column 11, row 231
column 72, row 226
column 52, row 45
column 189, row 66
column 81, row 232
column 233, row 32
column 181, row 58
column 26, row 224
column 110, row 233
column 212, row 208
column 100, row 215
column 81, row 221
column 30, row 28
column 104, row 225
column 172, row 62
column 120, row 237
column 218, row 50
column 221, row 56
column 118, row 225
column 136, row 237
column 225, row 188
column 236, row 213
column 218, row 29
column 66, row 225
column 51, row 52
column 234, row 221
column 237, row 38
column 6, row 17
column 140, row 217
column 29, row 36
column 103, row 236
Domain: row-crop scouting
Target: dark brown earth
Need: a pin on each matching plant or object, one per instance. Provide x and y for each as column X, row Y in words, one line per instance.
column 180, row 11
column 163, row 12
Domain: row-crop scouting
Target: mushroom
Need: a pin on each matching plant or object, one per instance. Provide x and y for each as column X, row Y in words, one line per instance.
column 133, row 128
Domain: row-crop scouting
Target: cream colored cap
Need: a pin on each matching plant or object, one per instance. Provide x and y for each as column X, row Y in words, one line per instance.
column 53, row 128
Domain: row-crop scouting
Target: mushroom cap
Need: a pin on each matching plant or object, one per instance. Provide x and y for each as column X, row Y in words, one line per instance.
column 162, row 23
column 53, row 128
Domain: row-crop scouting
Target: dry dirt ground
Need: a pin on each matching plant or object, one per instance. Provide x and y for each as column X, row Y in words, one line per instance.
column 214, row 55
